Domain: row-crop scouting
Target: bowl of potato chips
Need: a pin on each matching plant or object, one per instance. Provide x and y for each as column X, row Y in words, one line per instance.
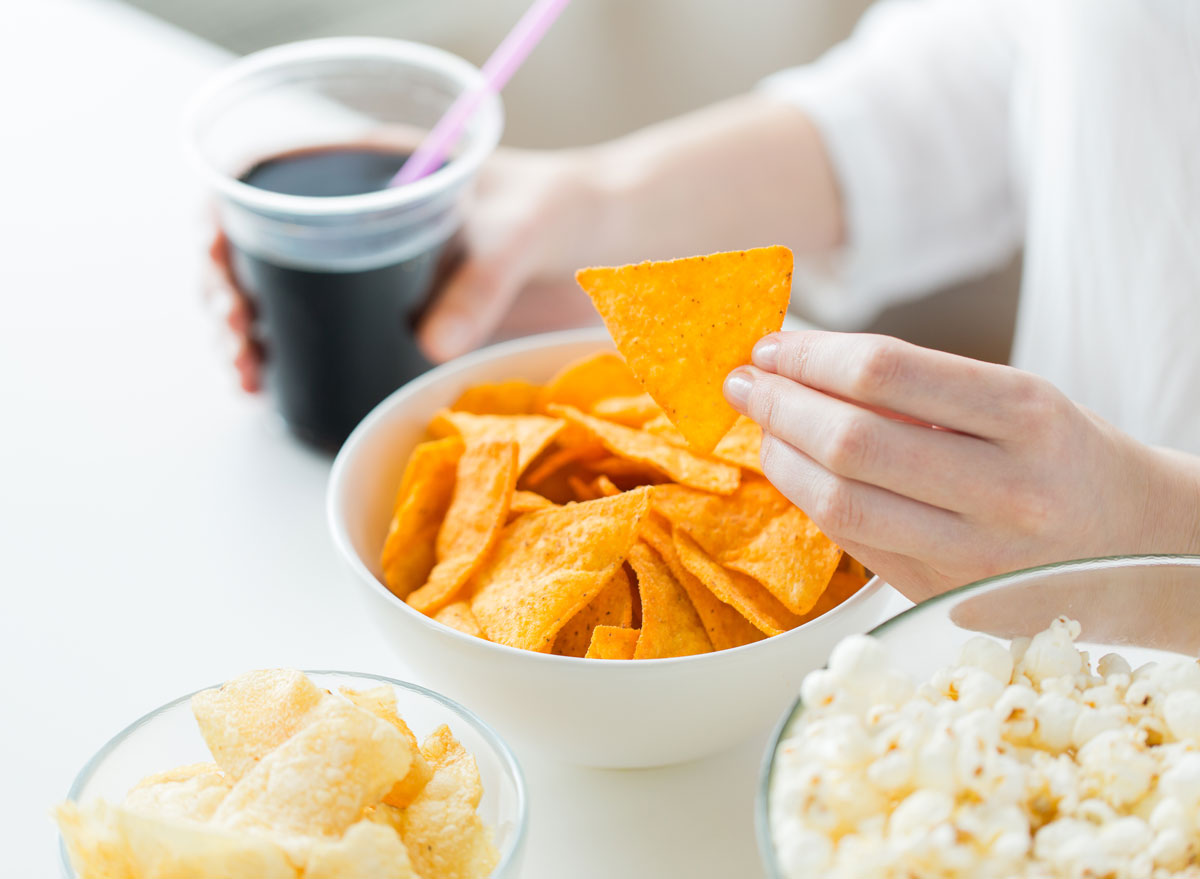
column 317, row 775
column 534, row 539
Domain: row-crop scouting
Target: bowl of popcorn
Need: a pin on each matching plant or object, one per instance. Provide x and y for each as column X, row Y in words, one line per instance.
column 1044, row 723
column 317, row 775
column 534, row 539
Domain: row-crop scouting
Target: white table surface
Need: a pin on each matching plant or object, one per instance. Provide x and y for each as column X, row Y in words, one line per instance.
column 158, row 531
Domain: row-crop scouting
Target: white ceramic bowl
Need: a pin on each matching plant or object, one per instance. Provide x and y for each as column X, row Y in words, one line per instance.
column 168, row 737
column 590, row 712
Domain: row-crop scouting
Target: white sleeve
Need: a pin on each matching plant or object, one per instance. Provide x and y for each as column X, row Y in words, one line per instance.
column 915, row 112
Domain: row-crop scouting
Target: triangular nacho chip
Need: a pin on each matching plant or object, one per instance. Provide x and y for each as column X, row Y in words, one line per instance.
column 530, row 587
column 682, row 325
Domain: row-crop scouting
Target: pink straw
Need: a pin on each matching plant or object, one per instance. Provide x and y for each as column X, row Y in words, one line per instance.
column 505, row 61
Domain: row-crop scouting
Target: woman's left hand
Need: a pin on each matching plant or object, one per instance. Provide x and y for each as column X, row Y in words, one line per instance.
column 936, row 470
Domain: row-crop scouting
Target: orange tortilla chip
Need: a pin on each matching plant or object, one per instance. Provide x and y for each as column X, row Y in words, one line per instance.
column 630, row 411
column 611, row 642
column 726, row 627
column 612, row 606
column 582, row 490
column 662, row 426
column 487, row 477
column 458, row 616
column 682, row 325
column 560, row 458
column 528, row 502
column 619, row 468
column 548, row 565
column 531, row 433
column 588, row 380
column 421, row 503
column 742, row 445
column 645, row 448
column 514, row 397
column 604, row 487
column 758, row 532
column 670, row 624
column 842, row 586
column 742, row 593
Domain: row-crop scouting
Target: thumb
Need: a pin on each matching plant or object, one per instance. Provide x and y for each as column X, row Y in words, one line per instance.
column 468, row 309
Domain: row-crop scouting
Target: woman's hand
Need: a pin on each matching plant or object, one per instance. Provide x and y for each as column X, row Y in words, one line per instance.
column 936, row 470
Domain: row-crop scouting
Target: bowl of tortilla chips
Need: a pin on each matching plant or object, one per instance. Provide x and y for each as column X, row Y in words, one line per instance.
column 535, row 539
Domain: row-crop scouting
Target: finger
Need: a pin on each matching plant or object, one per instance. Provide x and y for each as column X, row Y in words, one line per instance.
column 861, row 514
column 915, row 579
column 937, row 467
column 248, row 363
column 932, row 386
column 468, row 309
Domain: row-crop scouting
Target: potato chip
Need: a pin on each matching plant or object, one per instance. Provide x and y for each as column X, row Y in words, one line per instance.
column 646, row 448
column 726, row 627
column 356, row 757
column 381, row 701
column 459, row 616
column 246, row 718
column 548, row 565
column 612, row 606
column 513, row 397
column 611, row 642
column 528, row 502
column 444, row 836
column 95, row 844
column 670, row 624
column 483, row 488
column 683, row 325
column 742, row 445
column 531, row 433
column 758, row 532
column 584, row 382
column 188, row 793
column 631, row 411
column 421, row 503
column 746, row 595
column 161, row 848
column 369, row 850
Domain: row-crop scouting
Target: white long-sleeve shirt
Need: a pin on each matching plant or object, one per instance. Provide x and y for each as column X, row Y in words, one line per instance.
column 960, row 129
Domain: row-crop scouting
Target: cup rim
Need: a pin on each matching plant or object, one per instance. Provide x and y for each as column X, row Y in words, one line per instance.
column 451, row 175
column 762, row 830
column 345, row 547
column 493, row 738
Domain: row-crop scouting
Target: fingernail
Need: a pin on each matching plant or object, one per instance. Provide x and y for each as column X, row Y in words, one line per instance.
column 766, row 354
column 737, row 388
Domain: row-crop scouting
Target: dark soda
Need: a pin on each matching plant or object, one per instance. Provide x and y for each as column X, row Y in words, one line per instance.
column 336, row 343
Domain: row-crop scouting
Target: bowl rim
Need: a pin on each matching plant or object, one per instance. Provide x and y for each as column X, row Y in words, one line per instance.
column 762, row 830
column 493, row 738
column 397, row 398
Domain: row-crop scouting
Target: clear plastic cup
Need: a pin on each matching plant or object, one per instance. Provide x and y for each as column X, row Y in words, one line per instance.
column 337, row 281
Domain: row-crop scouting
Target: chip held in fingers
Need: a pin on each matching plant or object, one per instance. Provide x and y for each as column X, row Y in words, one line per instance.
column 335, row 788
column 683, row 324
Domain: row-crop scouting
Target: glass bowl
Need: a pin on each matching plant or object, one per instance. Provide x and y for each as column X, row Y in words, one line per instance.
column 168, row 737
column 1144, row 607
